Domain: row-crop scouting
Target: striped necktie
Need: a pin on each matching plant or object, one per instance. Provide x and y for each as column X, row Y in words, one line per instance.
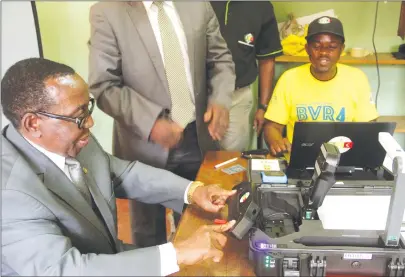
column 77, row 175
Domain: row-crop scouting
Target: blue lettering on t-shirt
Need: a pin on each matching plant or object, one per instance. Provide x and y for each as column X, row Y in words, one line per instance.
column 342, row 115
column 314, row 113
column 328, row 113
column 302, row 113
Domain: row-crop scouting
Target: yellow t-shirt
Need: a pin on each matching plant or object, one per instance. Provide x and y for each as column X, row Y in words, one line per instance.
column 298, row 96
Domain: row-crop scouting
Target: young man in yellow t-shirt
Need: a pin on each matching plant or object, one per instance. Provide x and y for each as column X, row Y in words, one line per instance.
column 322, row 90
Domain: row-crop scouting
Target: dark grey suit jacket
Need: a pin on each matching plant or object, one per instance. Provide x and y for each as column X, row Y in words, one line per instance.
column 126, row 73
column 49, row 229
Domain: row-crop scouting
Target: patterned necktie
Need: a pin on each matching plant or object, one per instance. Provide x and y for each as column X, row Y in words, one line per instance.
column 182, row 107
column 77, row 175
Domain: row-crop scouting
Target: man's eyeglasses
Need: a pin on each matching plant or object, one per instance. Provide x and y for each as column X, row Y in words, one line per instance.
column 80, row 121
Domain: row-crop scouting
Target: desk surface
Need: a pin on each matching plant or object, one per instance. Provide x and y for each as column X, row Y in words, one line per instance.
column 235, row 261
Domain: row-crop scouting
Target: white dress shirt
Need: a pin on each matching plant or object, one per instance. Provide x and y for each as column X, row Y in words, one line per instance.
column 167, row 252
column 170, row 10
column 59, row 160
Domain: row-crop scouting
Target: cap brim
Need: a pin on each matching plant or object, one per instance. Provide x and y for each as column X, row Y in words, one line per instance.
column 399, row 55
column 333, row 33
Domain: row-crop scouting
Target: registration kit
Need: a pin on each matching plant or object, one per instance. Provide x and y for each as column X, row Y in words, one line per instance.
column 286, row 226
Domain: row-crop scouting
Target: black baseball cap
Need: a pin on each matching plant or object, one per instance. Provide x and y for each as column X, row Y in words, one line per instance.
column 326, row 24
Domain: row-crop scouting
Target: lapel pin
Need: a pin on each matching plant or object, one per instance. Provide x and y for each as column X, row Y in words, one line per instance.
column 85, row 170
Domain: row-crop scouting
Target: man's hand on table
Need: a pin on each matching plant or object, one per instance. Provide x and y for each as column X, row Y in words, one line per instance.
column 211, row 198
column 206, row 243
column 278, row 147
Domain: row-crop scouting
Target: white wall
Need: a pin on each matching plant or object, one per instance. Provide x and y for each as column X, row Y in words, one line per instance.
column 18, row 36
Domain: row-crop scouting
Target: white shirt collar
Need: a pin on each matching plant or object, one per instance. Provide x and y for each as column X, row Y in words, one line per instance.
column 148, row 4
column 57, row 159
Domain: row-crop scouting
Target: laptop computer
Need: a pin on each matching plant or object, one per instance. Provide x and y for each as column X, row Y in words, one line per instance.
column 357, row 141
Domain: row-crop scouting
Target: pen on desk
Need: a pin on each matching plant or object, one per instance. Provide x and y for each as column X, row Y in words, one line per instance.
column 226, row 162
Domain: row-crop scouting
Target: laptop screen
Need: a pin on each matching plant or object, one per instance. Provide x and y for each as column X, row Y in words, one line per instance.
column 357, row 142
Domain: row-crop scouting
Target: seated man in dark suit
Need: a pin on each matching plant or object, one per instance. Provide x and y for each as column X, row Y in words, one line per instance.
column 59, row 187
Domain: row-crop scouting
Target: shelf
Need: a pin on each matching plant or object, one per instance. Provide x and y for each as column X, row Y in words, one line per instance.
column 400, row 120
column 383, row 58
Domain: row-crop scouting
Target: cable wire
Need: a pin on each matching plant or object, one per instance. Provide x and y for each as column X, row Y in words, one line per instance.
column 376, row 55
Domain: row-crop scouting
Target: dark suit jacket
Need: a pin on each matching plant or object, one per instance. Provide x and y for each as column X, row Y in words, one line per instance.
column 49, row 229
column 127, row 76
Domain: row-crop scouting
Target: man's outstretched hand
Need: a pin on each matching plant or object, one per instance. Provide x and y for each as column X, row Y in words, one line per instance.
column 218, row 118
column 211, row 198
column 206, row 243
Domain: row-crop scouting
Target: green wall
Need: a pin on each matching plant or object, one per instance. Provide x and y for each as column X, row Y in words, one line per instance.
column 357, row 19
column 65, row 31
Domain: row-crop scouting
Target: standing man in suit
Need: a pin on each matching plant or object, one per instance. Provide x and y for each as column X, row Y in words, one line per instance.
column 251, row 32
column 162, row 70
column 59, row 187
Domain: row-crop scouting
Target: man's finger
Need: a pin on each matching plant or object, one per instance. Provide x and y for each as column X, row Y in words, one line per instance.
column 224, row 122
column 273, row 151
column 219, row 239
column 223, row 192
column 287, row 145
column 218, row 201
column 208, row 114
column 222, row 228
column 224, row 119
column 260, row 126
column 211, row 207
column 215, row 120
column 215, row 254
column 211, row 130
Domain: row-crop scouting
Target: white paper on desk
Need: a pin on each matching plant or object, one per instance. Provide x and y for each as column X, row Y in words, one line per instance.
column 355, row 212
column 265, row 164
column 309, row 18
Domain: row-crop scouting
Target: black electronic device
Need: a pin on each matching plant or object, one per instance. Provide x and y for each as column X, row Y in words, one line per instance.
column 285, row 241
column 243, row 208
column 323, row 178
column 255, row 154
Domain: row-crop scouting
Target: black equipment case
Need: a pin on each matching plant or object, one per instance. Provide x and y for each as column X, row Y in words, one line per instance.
column 285, row 239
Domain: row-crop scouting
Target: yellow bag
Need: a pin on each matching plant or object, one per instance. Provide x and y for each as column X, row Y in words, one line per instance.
column 291, row 27
column 294, row 45
column 292, row 37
